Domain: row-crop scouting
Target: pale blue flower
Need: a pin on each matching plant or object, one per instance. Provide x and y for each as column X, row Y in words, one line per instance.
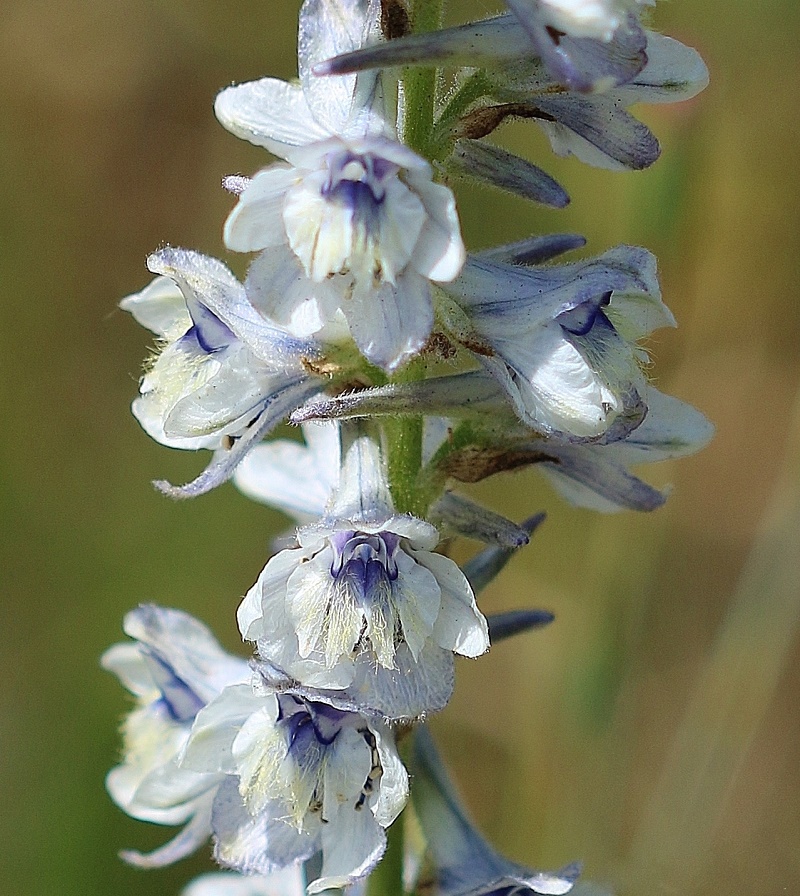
column 585, row 115
column 174, row 669
column 301, row 777
column 561, row 340
column 364, row 607
column 223, row 376
column 353, row 228
column 465, row 864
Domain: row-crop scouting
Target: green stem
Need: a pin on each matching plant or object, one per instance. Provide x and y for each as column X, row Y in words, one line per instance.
column 387, row 878
column 404, row 442
column 419, row 84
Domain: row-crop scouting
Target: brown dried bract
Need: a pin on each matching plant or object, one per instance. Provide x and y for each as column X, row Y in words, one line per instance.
column 481, row 122
column 473, row 464
column 395, row 20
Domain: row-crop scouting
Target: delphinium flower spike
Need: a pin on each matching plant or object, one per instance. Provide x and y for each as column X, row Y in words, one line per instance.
column 414, row 369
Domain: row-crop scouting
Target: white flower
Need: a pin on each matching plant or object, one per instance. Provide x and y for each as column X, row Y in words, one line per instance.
column 353, row 228
column 224, row 376
column 303, row 777
column 364, row 606
column 175, row 668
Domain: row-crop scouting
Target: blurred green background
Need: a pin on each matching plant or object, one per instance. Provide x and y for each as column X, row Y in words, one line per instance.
column 653, row 729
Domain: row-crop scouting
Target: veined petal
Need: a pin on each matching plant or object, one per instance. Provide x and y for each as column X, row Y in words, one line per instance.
column 259, row 844
column 391, row 324
column 598, row 131
column 328, row 28
column 269, row 113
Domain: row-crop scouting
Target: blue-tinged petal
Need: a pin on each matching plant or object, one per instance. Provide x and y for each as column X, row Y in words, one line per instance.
column 500, row 168
column 598, row 131
column 583, row 63
column 465, row 863
column 209, row 283
column 363, row 496
column 392, row 323
column 587, row 476
column 514, row 622
column 269, row 113
column 487, row 564
column 275, row 408
column 674, row 72
column 534, row 250
column 671, row 429
column 186, row 648
column 467, row 518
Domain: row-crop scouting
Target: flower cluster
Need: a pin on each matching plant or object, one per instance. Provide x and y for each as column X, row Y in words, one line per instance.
column 358, row 296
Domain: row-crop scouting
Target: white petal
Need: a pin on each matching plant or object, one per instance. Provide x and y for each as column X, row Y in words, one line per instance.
column 553, row 386
column 460, row 626
column 160, row 307
column 256, row 221
column 209, row 748
column 417, row 597
column 287, row 475
column 260, row 844
column 263, row 605
column 186, row 842
column 393, row 786
column 352, row 844
column 439, row 253
column 125, row 661
column 269, row 113
column 288, row 881
column 392, row 324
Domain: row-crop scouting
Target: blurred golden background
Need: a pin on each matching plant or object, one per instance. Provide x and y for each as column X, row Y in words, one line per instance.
column 653, row 729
